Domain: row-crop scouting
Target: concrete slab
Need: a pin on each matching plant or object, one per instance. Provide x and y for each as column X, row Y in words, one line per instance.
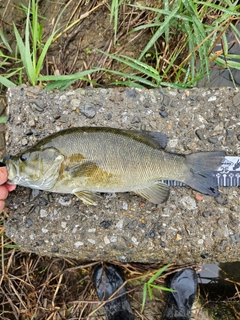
column 124, row 227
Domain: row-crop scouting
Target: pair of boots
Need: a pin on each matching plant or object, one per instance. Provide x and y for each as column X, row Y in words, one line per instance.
column 107, row 280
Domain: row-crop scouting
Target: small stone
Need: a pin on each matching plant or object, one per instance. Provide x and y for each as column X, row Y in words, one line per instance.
column 44, row 230
column 178, row 237
column 205, row 214
column 125, row 206
column 236, row 100
column 161, row 90
column 188, row 203
column 43, row 213
column 88, row 111
column 24, row 142
column 204, row 255
column 150, row 234
column 105, row 224
column 131, row 93
column 119, row 225
column 109, row 116
column 31, row 123
column 113, row 239
column 28, row 223
column 43, row 201
column 78, row 244
column 92, row 241
column 65, row 201
column 63, row 224
column 212, row 140
column 106, row 240
column 34, row 193
column 213, row 98
column 163, row 114
column 199, row 197
column 135, row 120
column 134, row 240
column 75, row 103
column 221, row 200
column 220, row 222
column 200, row 134
column 166, row 100
column 163, row 244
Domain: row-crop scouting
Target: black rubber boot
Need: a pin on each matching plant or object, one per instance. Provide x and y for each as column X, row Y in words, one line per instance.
column 179, row 303
column 107, row 279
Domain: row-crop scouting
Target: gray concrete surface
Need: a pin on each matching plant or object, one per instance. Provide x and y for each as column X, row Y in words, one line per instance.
column 124, row 227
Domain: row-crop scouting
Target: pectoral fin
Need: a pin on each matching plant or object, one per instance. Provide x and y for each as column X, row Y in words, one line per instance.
column 156, row 193
column 87, row 197
column 83, row 169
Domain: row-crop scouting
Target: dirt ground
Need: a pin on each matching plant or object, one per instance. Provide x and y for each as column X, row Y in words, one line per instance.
column 35, row 287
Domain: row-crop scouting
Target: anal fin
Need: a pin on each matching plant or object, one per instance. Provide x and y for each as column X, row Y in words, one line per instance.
column 86, row 196
column 156, row 193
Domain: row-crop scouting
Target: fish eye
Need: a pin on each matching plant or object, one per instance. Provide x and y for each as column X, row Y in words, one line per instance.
column 23, row 157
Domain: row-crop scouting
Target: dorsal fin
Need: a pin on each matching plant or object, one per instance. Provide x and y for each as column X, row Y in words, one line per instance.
column 151, row 138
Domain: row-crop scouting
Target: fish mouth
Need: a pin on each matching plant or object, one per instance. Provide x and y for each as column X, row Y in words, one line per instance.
column 13, row 174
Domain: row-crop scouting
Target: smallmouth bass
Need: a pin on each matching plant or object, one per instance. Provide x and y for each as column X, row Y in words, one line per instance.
column 86, row 160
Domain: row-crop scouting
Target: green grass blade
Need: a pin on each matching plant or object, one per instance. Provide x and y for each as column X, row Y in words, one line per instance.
column 64, row 84
column 133, row 77
column 30, row 67
column 191, row 48
column 43, row 54
column 7, row 83
column 166, row 7
column 144, row 296
column 11, row 246
column 34, row 29
column 3, row 119
column 4, row 40
column 149, row 286
column 220, row 8
column 231, row 64
column 159, row 32
column 128, row 83
column 158, row 273
column 162, row 288
column 76, row 76
column 135, row 64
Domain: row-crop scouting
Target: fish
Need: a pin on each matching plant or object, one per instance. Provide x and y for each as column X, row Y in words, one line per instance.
column 86, row 161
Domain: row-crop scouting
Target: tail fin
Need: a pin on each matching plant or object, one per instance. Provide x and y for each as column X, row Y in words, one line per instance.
column 200, row 175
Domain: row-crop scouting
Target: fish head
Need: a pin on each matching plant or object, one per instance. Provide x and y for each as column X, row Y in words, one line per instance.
column 36, row 169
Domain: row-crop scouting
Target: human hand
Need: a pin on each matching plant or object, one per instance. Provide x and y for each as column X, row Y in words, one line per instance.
column 4, row 187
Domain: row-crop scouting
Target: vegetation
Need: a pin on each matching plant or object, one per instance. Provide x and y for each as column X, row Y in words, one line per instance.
column 180, row 38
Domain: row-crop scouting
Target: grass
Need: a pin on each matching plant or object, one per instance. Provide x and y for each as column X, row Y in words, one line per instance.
column 195, row 26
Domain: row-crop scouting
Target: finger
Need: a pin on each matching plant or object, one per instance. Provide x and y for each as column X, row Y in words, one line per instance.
column 10, row 187
column 3, row 192
column 2, row 204
column 3, row 175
